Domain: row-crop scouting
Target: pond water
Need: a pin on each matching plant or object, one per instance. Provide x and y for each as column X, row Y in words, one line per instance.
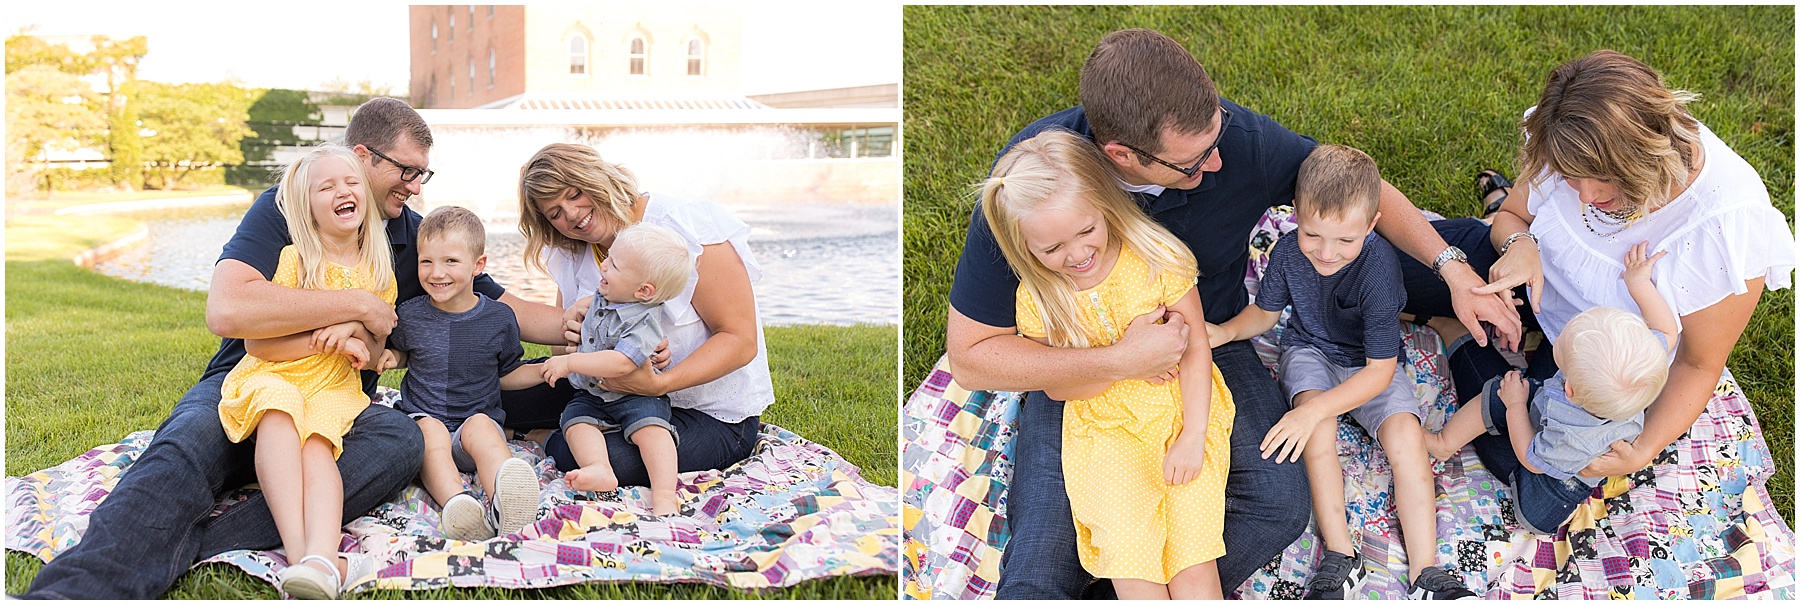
column 823, row 263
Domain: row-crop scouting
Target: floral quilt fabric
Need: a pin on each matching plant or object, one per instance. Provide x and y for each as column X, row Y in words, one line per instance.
column 1697, row 523
column 794, row 511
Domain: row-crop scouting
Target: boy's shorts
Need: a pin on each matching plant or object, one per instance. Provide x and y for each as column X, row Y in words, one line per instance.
column 464, row 462
column 1304, row 368
column 627, row 415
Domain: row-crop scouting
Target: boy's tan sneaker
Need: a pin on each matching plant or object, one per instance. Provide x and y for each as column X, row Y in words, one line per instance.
column 516, row 495
column 464, row 518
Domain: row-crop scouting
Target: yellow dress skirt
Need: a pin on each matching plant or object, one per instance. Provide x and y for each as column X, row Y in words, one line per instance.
column 1129, row 523
column 323, row 393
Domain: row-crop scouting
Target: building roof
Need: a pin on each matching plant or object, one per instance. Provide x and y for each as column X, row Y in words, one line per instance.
column 593, row 101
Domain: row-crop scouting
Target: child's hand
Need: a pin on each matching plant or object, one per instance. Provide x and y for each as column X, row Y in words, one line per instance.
column 1287, row 439
column 1512, row 389
column 389, row 361
column 1185, row 458
column 1637, row 265
column 1217, row 335
column 357, row 352
column 333, row 338
column 555, row 368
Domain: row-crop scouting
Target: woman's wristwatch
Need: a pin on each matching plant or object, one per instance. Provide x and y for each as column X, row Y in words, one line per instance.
column 1451, row 253
column 1507, row 245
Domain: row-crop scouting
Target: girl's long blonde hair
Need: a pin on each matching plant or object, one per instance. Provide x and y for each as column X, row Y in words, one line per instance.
column 375, row 263
column 1055, row 170
column 553, row 172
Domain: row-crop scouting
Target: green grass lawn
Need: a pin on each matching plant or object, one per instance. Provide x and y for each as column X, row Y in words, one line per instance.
column 91, row 358
column 1432, row 93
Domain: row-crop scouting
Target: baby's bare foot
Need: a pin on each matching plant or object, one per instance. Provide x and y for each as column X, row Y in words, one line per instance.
column 665, row 502
column 591, row 479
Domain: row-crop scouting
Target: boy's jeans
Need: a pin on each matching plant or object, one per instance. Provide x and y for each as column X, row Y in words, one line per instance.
column 156, row 522
column 1267, row 505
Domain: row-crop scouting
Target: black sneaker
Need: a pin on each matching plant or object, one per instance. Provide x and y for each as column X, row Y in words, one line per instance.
column 1337, row 575
column 1435, row 584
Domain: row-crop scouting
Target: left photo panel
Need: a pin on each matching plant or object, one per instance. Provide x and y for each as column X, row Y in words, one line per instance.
column 566, row 301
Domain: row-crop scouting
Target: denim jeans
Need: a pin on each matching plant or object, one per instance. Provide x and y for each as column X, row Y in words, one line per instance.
column 156, row 522
column 706, row 443
column 537, row 407
column 1266, row 504
column 1541, row 503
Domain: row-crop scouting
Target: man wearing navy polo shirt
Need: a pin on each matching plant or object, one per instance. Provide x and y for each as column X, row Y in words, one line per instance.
column 155, row 524
column 1206, row 169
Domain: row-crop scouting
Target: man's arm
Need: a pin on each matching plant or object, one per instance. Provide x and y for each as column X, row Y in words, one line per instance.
column 538, row 323
column 985, row 357
column 1404, row 226
column 241, row 303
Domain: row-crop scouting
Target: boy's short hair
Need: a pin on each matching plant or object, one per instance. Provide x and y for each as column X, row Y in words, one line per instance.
column 661, row 254
column 457, row 222
column 1616, row 366
column 1138, row 82
column 1336, row 182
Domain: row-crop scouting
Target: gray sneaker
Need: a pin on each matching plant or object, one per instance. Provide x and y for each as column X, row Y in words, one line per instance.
column 1435, row 584
column 464, row 518
column 516, row 495
column 1338, row 576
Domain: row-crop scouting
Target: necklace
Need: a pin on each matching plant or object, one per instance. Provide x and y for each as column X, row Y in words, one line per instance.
column 1622, row 218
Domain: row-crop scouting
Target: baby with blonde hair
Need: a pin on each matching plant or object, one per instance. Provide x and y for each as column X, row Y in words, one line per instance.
column 1613, row 365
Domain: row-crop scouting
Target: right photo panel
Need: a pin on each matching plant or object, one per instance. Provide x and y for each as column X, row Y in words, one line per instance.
column 1348, row 302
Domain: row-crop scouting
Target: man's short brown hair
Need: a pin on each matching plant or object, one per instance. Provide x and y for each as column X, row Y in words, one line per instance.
column 455, row 223
column 1138, row 82
column 1337, row 182
column 380, row 121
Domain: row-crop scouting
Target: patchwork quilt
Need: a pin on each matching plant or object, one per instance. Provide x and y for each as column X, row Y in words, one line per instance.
column 1697, row 523
column 794, row 511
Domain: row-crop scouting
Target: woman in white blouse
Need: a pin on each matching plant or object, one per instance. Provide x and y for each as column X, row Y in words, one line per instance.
column 571, row 204
column 1613, row 158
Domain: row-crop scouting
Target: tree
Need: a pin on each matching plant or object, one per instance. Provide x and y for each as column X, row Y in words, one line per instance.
column 45, row 107
column 273, row 118
column 119, row 59
column 190, row 127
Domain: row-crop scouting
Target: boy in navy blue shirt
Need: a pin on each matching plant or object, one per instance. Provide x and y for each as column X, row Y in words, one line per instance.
column 1340, row 354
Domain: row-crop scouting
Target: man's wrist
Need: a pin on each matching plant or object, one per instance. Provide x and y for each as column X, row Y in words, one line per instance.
column 1449, row 255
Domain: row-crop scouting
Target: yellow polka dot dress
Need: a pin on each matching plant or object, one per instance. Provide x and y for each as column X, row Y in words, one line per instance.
column 1128, row 522
column 322, row 392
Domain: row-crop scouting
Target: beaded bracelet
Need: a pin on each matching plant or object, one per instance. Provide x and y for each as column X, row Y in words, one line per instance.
column 1507, row 245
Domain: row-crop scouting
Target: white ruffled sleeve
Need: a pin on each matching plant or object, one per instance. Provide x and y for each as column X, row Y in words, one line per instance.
column 1725, row 250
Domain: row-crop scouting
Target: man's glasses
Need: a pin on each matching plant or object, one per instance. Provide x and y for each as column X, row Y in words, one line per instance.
column 1224, row 120
column 408, row 173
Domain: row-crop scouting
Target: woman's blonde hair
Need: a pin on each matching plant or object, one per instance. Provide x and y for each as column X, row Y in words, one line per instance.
column 375, row 262
column 1616, row 366
column 1058, row 169
column 555, row 171
column 1609, row 116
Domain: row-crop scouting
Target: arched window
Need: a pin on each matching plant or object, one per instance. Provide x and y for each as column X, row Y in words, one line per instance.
column 490, row 67
column 471, row 74
column 578, row 58
column 471, row 17
column 696, row 57
column 639, row 53
column 433, row 35
column 453, row 26
column 452, row 88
